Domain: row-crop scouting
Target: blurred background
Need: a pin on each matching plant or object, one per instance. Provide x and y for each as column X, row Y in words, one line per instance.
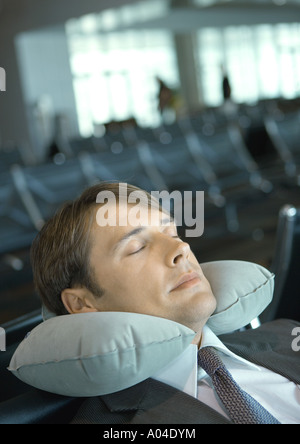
column 165, row 94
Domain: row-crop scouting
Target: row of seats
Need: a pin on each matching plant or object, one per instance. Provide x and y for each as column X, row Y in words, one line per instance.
column 176, row 158
column 282, row 130
column 192, row 154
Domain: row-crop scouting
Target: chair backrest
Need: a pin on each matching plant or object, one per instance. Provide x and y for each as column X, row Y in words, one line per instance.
column 226, row 156
column 123, row 166
column 15, row 331
column 285, row 136
column 17, row 228
column 19, row 402
column 286, row 301
column 50, row 185
column 8, row 157
column 90, row 144
column 175, row 163
column 289, row 131
column 30, row 195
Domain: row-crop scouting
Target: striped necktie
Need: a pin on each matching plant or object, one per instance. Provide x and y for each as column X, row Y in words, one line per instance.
column 241, row 407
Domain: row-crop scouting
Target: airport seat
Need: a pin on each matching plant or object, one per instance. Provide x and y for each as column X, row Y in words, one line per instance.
column 171, row 163
column 149, row 134
column 124, row 166
column 16, row 331
column 228, row 166
column 176, row 165
column 19, row 402
column 9, row 155
column 18, row 224
column 50, row 185
column 225, row 151
column 113, row 141
column 284, row 133
column 286, row 300
column 90, row 144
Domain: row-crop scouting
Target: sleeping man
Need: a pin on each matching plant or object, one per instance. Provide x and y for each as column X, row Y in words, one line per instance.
column 116, row 257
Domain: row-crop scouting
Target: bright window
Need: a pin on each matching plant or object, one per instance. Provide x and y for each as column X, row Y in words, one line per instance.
column 261, row 61
column 114, row 73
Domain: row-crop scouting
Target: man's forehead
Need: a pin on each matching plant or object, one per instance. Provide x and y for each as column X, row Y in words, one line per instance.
column 121, row 223
column 136, row 215
column 127, row 215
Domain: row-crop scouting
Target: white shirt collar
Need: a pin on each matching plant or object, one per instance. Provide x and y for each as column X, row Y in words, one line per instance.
column 209, row 339
column 183, row 372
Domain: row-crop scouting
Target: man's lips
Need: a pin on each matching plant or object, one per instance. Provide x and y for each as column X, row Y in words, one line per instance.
column 187, row 280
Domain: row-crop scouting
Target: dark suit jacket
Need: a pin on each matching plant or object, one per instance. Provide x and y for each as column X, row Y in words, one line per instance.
column 152, row 402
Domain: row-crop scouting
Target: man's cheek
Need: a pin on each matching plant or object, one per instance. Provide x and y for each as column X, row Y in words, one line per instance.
column 193, row 259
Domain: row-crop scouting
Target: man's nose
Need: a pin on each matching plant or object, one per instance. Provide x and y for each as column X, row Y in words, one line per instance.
column 179, row 251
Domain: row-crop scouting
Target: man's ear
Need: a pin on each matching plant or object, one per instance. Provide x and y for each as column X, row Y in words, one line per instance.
column 77, row 300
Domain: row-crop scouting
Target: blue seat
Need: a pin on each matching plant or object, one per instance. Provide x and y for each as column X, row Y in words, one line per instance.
column 17, row 227
column 16, row 331
column 124, row 166
column 285, row 266
column 50, row 184
column 284, row 133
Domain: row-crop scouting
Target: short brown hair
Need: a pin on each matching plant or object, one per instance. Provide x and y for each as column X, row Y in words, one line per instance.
column 60, row 252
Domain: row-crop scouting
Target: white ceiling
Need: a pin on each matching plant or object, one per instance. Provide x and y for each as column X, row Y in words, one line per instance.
column 223, row 13
column 202, row 3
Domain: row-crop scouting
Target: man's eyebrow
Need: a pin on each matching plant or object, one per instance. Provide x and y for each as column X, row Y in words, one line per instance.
column 128, row 236
column 138, row 230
